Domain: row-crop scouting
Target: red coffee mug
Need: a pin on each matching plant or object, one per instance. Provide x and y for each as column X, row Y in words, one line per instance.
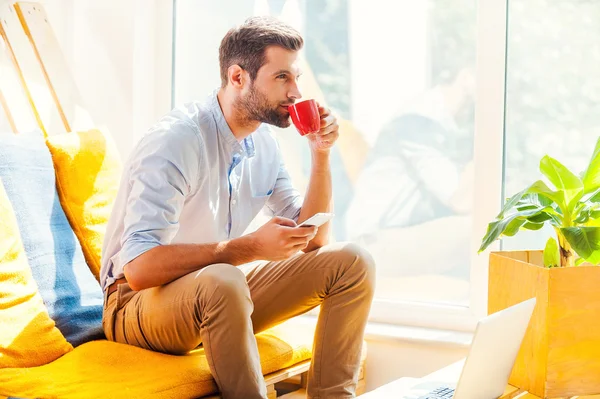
column 306, row 117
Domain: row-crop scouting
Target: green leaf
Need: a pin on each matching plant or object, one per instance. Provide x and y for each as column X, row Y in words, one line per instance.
column 560, row 175
column 583, row 216
column 551, row 253
column 579, row 261
column 533, row 226
column 594, row 197
column 526, row 207
column 538, row 204
column 511, row 202
column 547, row 212
column 585, row 241
column 543, row 205
column 591, row 177
column 593, row 222
column 563, row 179
column 513, row 227
column 536, row 199
column 587, row 212
column 538, row 194
column 499, row 226
column 575, row 200
column 558, row 197
column 543, row 215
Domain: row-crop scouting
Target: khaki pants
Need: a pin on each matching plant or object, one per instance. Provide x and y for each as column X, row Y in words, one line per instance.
column 222, row 307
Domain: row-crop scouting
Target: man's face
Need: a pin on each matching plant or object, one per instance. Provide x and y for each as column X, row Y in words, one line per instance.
column 266, row 98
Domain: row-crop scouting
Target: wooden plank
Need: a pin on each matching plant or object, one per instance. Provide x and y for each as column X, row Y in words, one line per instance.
column 273, row 378
column 53, row 64
column 271, row 392
column 304, row 380
column 15, row 99
column 560, row 354
column 299, row 394
column 278, row 376
column 7, row 122
column 536, row 257
column 510, row 392
column 526, row 395
column 517, row 255
column 360, row 390
column 573, row 327
column 361, row 387
column 512, row 281
column 33, row 78
column 295, row 370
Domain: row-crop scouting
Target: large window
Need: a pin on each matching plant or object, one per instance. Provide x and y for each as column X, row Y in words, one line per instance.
column 401, row 77
column 421, row 167
column 552, row 92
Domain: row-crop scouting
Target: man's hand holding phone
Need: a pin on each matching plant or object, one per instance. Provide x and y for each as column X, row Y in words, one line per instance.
column 281, row 238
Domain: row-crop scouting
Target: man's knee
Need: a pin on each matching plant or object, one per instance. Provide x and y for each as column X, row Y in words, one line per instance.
column 223, row 281
column 358, row 261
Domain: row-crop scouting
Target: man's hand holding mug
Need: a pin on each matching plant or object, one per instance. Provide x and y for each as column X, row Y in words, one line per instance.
column 316, row 122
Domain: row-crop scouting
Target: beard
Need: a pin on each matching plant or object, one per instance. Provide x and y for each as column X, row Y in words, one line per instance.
column 255, row 106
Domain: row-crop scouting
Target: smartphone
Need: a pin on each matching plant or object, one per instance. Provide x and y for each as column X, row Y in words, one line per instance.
column 317, row 219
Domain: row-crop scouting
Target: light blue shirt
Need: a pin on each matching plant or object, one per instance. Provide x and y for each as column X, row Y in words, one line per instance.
column 189, row 180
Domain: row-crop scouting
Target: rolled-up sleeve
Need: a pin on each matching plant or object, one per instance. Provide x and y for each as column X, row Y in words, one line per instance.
column 163, row 172
column 285, row 201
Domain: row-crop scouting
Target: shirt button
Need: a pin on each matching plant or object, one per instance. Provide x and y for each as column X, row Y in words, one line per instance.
column 233, row 202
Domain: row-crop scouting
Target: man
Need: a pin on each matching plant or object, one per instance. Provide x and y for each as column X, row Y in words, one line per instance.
column 176, row 268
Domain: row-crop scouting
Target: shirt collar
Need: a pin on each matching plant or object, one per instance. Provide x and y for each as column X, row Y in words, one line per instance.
column 225, row 131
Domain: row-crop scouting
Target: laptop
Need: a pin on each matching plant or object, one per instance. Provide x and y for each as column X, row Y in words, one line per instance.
column 491, row 356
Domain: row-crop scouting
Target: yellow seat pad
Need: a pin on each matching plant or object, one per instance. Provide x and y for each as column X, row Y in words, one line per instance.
column 111, row 370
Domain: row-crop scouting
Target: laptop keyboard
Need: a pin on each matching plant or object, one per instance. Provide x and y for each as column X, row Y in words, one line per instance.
column 439, row 393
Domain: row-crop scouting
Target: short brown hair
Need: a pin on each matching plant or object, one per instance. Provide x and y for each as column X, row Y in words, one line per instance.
column 245, row 45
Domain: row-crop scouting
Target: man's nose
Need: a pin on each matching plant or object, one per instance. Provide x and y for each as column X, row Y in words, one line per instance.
column 295, row 92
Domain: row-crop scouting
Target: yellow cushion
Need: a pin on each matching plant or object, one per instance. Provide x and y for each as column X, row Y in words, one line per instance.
column 107, row 369
column 88, row 170
column 28, row 337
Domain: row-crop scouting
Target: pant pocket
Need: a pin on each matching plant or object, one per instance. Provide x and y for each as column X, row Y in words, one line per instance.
column 108, row 315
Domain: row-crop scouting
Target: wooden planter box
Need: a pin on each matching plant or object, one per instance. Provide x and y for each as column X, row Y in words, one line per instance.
column 560, row 354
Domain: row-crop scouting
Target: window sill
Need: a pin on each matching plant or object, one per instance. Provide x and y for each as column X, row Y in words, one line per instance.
column 381, row 332
column 418, row 335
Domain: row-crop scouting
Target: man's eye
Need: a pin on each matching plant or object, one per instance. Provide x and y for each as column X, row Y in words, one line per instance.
column 282, row 76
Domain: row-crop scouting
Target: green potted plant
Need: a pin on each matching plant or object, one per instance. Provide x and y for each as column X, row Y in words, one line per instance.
column 560, row 355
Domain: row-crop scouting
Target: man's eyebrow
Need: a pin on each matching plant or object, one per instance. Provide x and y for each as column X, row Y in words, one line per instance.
column 285, row 71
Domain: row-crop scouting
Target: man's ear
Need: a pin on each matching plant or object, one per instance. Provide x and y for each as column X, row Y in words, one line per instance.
column 237, row 76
